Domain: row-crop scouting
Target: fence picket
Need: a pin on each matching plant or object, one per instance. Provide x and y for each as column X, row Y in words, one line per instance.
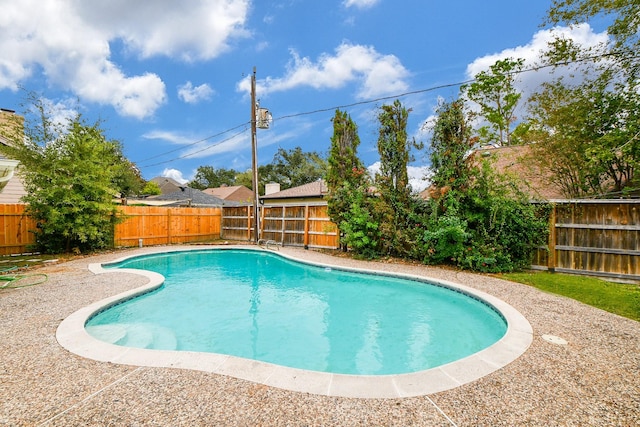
column 586, row 237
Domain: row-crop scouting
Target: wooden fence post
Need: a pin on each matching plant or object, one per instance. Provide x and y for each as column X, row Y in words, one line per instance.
column 306, row 226
column 249, row 208
column 551, row 258
column 169, row 226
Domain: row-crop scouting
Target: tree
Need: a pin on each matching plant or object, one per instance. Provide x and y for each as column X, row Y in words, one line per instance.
column 210, row 177
column 392, row 181
column 70, row 173
column 151, row 188
column 626, row 17
column 451, row 143
column 587, row 136
column 345, row 172
column 494, row 91
column 292, row 168
column 128, row 179
column 478, row 219
column 620, row 56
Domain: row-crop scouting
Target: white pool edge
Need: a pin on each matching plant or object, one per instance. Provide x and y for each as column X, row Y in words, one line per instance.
column 72, row 335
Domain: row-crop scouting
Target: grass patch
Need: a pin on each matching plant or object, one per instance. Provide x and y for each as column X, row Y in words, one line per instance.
column 11, row 262
column 619, row 298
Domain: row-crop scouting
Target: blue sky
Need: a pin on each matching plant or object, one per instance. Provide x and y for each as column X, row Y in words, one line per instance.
column 170, row 79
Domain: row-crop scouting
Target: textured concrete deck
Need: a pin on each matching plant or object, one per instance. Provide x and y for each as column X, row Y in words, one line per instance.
column 592, row 380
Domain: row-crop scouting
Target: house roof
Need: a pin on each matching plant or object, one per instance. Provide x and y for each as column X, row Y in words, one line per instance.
column 312, row 189
column 514, row 160
column 237, row 193
column 192, row 197
column 167, row 185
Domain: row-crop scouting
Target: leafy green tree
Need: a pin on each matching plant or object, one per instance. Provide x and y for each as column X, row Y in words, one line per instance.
column 392, row 181
column 345, row 172
column 587, row 136
column 618, row 57
column 70, row 173
column 477, row 219
column 451, row 143
column 151, row 188
column 128, row 179
column 210, row 177
column 494, row 91
column 625, row 13
column 292, row 168
column 360, row 224
column 246, row 178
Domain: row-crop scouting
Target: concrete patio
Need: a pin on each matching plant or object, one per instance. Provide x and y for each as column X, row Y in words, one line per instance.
column 592, row 380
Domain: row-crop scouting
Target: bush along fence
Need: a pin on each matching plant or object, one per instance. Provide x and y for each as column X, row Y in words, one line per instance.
column 599, row 237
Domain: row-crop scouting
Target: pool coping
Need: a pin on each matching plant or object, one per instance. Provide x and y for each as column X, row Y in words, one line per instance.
column 72, row 335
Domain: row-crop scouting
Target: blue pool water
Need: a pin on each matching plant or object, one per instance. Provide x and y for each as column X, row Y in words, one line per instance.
column 261, row 306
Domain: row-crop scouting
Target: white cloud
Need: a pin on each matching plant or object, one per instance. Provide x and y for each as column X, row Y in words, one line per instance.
column 418, row 175
column 360, row 4
column 174, row 174
column 68, row 41
column 194, row 95
column 377, row 74
column 189, row 29
column 529, row 82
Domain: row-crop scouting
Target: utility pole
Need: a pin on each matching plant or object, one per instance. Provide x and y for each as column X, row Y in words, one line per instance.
column 254, row 158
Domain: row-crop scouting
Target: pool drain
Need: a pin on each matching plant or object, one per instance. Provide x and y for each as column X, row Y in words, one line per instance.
column 554, row 340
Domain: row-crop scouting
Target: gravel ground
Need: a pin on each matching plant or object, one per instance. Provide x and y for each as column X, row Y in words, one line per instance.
column 593, row 380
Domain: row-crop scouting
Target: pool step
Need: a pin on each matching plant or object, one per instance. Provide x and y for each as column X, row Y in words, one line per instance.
column 138, row 335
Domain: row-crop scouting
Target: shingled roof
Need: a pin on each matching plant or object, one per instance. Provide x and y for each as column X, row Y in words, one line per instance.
column 167, row 185
column 313, row 189
column 236, row 193
column 515, row 160
column 192, row 197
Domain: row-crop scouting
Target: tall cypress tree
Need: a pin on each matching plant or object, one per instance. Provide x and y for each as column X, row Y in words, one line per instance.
column 392, row 181
column 346, row 172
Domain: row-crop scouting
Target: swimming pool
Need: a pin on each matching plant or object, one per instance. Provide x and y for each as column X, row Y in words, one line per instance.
column 260, row 306
column 372, row 378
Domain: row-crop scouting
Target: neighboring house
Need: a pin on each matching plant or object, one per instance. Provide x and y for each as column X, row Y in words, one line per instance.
column 312, row 192
column 187, row 196
column 167, row 185
column 234, row 193
column 11, row 186
column 514, row 160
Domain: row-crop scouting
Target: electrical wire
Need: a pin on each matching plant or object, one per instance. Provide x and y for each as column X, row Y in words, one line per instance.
column 193, row 153
column 592, row 58
column 194, row 143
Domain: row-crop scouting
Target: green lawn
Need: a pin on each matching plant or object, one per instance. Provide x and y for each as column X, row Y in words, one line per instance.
column 618, row 298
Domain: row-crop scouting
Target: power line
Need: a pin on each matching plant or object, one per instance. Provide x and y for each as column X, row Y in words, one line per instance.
column 193, row 143
column 445, row 86
column 592, row 58
column 193, row 153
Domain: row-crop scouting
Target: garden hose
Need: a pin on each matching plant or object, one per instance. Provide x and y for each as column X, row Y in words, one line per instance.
column 9, row 281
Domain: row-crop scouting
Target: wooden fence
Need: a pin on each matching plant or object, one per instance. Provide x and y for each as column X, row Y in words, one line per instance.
column 300, row 225
column 600, row 237
column 167, row 226
column 154, row 225
column 14, row 230
column 586, row 237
